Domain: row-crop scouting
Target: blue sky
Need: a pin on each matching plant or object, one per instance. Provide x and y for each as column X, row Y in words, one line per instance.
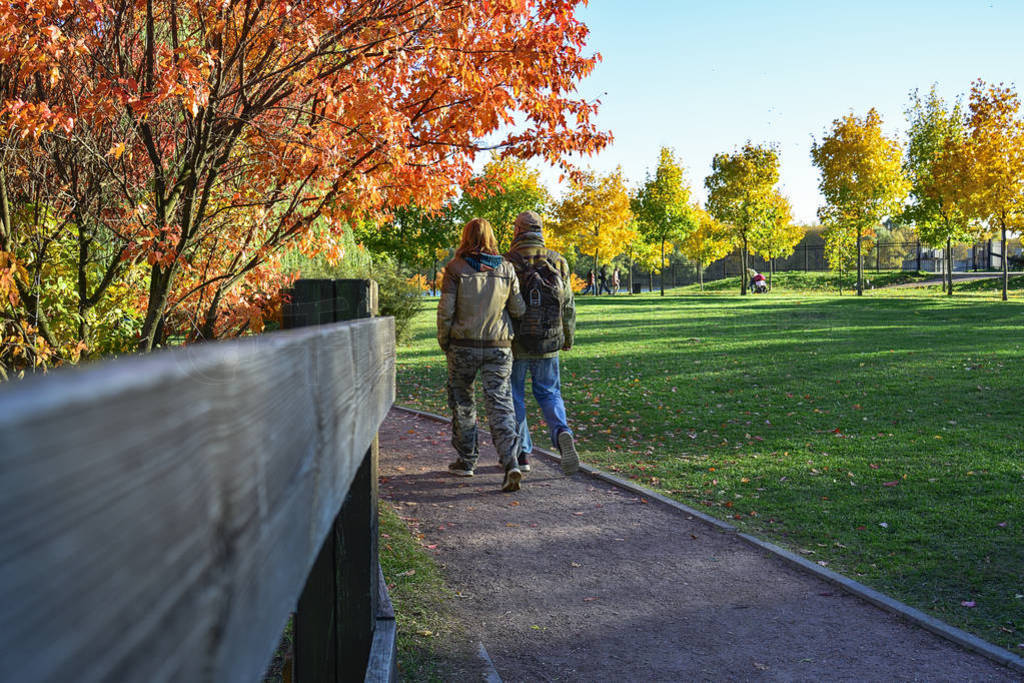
column 704, row 77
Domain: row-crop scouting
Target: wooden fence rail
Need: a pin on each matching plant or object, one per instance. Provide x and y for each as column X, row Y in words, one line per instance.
column 159, row 515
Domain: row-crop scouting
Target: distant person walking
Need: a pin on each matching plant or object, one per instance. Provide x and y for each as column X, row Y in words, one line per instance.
column 603, row 281
column 615, row 281
column 479, row 296
column 591, row 287
column 547, row 326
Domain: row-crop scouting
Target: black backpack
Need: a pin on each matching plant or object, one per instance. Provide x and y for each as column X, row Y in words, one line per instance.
column 539, row 331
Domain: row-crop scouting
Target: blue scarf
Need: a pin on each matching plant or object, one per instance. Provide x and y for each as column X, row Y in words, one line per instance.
column 483, row 262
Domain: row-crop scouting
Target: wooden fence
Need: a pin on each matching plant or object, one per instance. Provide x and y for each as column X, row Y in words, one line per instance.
column 161, row 514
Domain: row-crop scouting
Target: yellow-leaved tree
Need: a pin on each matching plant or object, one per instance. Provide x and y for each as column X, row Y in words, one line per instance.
column 740, row 188
column 995, row 153
column 861, row 178
column 777, row 235
column 936, row 165
column 501, row 191
column 710, row 241
column 662, row 206
column 594, row 216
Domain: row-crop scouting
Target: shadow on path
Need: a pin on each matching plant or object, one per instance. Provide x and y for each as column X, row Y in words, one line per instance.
column 572, row 579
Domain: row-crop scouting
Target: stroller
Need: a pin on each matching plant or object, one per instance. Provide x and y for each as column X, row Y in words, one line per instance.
column 758, row 284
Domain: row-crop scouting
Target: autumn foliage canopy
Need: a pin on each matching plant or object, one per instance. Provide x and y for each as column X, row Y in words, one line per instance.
column 173, row 148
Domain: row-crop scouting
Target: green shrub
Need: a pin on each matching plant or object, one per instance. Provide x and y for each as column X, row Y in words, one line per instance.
column 399, row 297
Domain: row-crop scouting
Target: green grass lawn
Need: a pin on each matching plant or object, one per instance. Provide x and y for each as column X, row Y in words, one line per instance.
column 881, row 436
column 419, row 595
column 816, row 282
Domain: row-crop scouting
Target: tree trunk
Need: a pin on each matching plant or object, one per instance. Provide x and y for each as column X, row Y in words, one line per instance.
column 949, row 264
column 662, row 267
column 159, row 289
column 1002, row 257
column 743, row 267
column 700, row 274
column 631, row 275
column 771, row 271
column 860, row 265
column 5, row 214
column 650, row 280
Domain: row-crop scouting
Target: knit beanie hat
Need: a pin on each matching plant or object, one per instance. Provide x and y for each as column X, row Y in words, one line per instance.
column 528, row 221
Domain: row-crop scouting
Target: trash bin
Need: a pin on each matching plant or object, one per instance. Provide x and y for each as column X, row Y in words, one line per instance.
column 636, row 287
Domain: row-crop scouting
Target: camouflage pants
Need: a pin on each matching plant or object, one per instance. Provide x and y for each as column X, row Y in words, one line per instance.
column 495, row 368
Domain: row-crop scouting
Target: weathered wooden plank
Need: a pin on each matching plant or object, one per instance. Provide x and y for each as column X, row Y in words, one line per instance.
column 383, row 664
column 357, row 568
column 161, row 513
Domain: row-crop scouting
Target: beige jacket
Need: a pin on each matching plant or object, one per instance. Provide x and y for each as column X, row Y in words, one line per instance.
column 475, row 306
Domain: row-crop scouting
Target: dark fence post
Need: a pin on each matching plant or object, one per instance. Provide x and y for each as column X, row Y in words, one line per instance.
column 337, row 611
column 919, row 255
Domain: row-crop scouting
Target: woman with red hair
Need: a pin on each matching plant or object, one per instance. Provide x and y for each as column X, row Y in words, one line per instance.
column 479, row 295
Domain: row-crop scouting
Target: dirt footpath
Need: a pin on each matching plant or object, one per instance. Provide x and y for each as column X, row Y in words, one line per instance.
column 572, row 579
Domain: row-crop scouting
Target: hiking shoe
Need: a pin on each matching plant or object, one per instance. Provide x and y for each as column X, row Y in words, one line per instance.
column 567, row 447
column 460, row 468
column 512, row 478
column 524, row 462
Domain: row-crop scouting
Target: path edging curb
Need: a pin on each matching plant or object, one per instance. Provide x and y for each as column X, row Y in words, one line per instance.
column 916, row 616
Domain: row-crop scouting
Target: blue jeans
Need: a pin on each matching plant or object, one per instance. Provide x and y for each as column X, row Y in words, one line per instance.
column 547, row 389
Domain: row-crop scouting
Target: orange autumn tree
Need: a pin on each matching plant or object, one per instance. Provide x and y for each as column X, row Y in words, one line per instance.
column 196, row 141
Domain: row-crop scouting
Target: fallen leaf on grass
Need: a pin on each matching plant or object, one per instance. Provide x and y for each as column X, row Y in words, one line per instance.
column 432, row 546
column 967, row 603
column 890, row 483
column 873, row 466
column 408, row 573
column 425, row 633
column 1002, row 524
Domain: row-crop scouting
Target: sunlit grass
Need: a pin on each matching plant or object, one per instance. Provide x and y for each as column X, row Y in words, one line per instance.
column 878, row 435
column 420, row 598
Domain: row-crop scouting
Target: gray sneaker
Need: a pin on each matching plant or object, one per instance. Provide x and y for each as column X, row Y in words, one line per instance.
column 512, row 478
column 570, row 459
column 460, row 468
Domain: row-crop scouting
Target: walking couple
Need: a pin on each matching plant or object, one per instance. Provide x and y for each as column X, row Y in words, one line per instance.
column 504, row 318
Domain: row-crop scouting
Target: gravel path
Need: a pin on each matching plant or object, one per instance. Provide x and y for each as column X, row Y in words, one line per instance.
column 572, row 579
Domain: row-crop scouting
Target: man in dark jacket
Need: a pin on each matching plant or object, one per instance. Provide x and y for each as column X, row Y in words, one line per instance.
column 528, row 248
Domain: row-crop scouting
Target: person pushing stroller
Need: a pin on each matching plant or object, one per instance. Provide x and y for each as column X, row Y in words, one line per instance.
column 758, row 284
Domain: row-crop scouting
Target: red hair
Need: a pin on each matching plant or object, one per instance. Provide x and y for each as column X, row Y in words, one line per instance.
column 477, row 237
